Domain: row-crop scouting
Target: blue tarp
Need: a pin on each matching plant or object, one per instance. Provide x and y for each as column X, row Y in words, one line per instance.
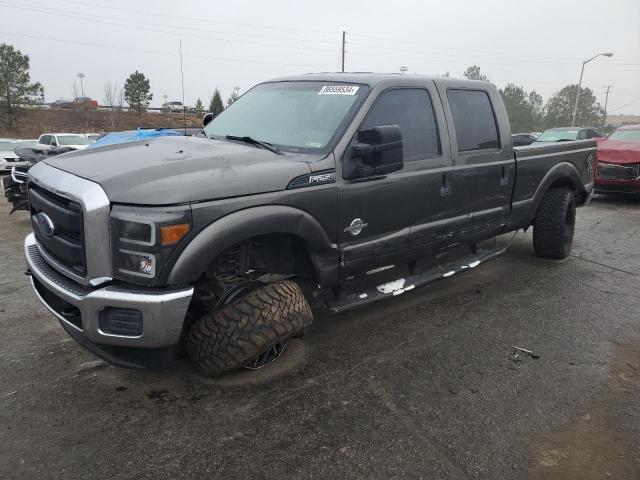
column 133, row 135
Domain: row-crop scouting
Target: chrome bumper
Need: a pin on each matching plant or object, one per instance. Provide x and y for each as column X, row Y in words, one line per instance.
column 163, row 310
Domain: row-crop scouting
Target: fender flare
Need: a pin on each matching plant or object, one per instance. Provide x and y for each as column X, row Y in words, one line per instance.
column 251, row 222
column 524, row 210
column 561, row 171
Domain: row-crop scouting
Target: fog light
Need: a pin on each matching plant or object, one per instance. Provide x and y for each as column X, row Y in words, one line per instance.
column 137, row 263
column 120, row 321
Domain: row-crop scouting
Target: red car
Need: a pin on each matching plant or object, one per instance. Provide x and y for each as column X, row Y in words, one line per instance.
column 619, row 161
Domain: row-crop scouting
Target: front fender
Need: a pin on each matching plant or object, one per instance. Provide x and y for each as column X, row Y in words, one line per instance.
column 251, row 222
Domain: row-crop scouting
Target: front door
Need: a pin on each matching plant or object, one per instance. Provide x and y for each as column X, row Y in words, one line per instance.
column 381, row 218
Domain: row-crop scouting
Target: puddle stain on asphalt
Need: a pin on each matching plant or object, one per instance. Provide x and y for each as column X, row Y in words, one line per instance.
column 601, row 443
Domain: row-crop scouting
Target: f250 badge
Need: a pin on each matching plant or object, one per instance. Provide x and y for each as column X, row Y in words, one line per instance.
column 323, row 178
column 356, row 226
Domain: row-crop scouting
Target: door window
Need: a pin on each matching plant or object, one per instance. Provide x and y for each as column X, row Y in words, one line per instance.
column 582, row 135
column 53, row 141
column 411, row 109
column 474, row 120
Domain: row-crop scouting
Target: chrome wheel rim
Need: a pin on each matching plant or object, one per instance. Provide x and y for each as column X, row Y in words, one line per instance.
column 268, row 356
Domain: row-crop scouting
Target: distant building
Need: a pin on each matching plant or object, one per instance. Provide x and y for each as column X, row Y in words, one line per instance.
column 620, row 120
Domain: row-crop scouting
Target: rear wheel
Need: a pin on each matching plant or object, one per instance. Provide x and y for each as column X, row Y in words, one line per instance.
column 251, row 330
column 554, row 224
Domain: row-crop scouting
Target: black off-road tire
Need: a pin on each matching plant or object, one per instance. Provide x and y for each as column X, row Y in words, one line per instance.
column 554, row 224
column 233, row 335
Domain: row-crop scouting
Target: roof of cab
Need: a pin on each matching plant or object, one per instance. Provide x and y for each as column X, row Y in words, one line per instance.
column 372, row 78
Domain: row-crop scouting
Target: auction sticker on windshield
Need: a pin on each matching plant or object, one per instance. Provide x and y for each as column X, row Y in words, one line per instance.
column 338, row 90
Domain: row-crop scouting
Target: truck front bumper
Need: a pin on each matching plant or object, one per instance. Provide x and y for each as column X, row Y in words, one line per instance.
column 88, row 314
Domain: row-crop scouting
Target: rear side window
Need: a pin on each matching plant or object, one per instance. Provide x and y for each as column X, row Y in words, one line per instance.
column 474, row 120
column 412, row 111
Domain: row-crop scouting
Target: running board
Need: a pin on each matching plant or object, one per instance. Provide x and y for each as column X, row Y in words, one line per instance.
column 353, row 297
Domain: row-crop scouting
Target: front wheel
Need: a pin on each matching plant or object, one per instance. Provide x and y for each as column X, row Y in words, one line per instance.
column 554, row 224
column 248, row 330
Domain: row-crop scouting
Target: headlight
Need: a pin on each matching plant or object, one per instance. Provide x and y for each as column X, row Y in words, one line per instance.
column 144, row 238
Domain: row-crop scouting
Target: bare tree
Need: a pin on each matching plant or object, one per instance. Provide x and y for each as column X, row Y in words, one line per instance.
column 114, row 100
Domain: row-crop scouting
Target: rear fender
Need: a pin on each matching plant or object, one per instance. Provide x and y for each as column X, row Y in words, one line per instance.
column 563, row 174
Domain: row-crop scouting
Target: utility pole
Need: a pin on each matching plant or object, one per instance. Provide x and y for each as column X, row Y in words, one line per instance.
column 606, row 100
column 344, row 42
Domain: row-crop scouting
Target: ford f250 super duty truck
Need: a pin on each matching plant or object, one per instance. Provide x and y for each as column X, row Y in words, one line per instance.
column 331, row 190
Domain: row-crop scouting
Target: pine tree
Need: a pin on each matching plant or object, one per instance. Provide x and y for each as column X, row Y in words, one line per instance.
column 199, row 107
column 216, row 107
column 16, row 89
column 136, row 92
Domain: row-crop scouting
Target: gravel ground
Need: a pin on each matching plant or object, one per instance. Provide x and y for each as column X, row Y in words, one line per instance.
column 421, row 386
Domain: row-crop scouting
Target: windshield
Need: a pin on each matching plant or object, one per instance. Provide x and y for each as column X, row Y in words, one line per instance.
column 6, row 146
column 73, row 140
column 631, row 135
column 558, row 135
column 294, row 116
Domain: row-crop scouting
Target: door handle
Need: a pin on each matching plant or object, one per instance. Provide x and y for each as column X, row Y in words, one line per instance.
column 504, row 179
column 445, row 187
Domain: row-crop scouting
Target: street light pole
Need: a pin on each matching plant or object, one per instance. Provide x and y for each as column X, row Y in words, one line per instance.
column 575, row 107
column 81, row 76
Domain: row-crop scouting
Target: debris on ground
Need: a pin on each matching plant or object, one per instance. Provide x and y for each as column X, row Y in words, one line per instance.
column 519, row 352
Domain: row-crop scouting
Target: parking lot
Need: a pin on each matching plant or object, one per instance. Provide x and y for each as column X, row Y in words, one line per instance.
column 423, row 386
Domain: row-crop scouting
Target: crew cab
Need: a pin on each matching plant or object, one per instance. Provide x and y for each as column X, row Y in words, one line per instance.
column 322, row 190
column 618, row 168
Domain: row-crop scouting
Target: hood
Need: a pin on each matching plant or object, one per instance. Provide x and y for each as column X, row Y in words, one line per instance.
column 618, row 151
column 172, row 170
column 8, row 154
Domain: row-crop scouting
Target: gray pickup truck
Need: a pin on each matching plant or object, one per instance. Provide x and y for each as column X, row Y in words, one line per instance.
column 323, row 190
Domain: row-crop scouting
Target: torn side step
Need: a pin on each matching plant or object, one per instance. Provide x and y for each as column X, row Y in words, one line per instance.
column 354, row 296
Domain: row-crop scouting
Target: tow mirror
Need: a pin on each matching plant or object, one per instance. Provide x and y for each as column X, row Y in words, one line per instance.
column 206, row 119
column 378, row 151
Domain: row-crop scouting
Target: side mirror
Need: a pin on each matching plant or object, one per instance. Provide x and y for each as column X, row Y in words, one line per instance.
column 206, row 119
column 378, row 151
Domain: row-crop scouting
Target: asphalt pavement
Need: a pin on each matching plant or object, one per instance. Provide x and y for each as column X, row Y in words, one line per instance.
column 425, row 385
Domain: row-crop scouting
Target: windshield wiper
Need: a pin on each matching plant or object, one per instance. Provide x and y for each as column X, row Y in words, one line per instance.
column 253, row 141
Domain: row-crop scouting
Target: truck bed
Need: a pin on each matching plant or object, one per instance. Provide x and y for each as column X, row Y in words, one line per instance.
column 536, row 163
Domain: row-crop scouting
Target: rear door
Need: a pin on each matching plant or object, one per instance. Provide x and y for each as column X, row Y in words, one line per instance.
column 483, row 161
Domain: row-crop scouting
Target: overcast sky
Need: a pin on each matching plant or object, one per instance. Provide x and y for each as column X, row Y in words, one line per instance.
column 539, row 45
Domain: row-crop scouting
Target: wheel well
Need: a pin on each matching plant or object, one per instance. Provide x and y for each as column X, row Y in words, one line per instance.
column 565, row 182
column 275, row 255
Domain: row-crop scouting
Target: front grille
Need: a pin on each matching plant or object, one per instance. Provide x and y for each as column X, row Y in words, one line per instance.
column 65, row 244
column 612, row 171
